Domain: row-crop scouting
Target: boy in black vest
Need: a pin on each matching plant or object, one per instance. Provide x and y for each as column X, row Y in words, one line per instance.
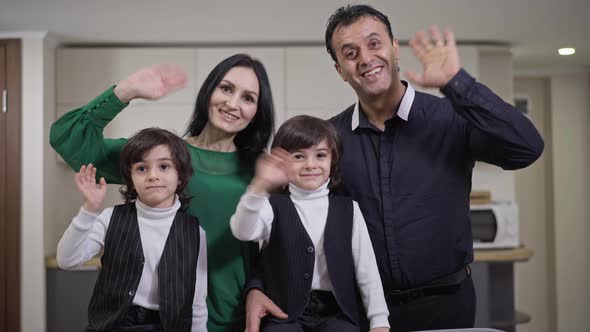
column 154, row 262
column 317, row 254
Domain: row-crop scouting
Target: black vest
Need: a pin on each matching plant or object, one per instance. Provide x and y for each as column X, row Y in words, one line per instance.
column 288, row 259
column 122, row 265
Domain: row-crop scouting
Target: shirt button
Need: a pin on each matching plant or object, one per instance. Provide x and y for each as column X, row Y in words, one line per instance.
column 131, row 293
column 310, row 249
column 306, row 276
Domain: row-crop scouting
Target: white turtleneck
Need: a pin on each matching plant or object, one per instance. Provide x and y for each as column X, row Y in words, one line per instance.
column 253, row 222
column 85, row 237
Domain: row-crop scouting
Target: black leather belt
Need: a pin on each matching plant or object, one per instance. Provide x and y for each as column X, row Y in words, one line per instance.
column 448, row 284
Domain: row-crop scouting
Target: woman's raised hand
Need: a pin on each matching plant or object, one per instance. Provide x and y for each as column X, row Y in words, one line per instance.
column 153, row 82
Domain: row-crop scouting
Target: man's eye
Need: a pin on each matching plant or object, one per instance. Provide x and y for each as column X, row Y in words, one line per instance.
column 350, row 54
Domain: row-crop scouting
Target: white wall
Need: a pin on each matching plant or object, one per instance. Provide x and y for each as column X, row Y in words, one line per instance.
column 557, row 192
column 495, row 71
column 570, row 119
column 535, row 282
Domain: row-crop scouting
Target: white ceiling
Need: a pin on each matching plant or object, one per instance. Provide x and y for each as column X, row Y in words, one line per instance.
column 534, row 28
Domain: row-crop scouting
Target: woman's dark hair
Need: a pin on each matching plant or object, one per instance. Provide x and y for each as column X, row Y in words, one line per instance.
column 141, row 144
column 304, row 131
column 345, row 16
column 254, row 139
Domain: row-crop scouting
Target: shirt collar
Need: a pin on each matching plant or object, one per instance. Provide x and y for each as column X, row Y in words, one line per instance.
column 404, row 107
column 303, row 194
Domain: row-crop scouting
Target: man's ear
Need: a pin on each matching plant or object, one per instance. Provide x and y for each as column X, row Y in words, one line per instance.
column 339, row 70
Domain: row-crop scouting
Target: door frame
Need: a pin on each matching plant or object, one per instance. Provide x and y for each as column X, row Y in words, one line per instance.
column 10, row 218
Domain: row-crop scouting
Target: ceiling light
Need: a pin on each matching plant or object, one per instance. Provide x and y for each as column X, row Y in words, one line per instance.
column 566, row 51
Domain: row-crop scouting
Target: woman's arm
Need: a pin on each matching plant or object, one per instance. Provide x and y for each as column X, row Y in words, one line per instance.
column 78, row 135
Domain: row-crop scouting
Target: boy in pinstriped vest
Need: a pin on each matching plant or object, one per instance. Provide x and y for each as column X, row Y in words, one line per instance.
column 154, row 262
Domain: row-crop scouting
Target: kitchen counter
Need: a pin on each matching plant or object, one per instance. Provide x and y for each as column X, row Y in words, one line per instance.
column 521, row 254
column 481, row 256
column 493, row 276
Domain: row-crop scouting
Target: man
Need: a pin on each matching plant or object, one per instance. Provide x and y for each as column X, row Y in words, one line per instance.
column 408, row 160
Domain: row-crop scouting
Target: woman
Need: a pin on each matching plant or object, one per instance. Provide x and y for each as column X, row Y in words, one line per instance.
column 231, row 125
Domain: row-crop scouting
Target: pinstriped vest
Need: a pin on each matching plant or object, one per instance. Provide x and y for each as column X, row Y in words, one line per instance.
column 288, row 259
column 122, row 265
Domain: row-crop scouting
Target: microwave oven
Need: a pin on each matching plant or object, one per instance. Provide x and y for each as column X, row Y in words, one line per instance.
column 494, row 225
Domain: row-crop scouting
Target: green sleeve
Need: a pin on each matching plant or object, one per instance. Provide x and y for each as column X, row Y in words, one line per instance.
column 78, row 136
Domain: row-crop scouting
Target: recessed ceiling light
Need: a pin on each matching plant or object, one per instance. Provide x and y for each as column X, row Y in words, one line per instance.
column 566, row 51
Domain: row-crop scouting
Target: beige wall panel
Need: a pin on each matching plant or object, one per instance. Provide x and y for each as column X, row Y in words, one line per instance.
column 83, row 73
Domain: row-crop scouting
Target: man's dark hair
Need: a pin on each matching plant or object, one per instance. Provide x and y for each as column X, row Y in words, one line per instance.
column 345, row 16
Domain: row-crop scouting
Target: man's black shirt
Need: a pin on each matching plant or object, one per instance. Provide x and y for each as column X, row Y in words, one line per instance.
column 412, row 180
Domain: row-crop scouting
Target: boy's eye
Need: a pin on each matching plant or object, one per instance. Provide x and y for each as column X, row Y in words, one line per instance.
column 140, row 168
column 165, row 166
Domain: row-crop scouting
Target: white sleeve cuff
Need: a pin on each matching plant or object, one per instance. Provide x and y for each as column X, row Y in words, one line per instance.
column 252, row 201
column 84, row 220
column 379, row 321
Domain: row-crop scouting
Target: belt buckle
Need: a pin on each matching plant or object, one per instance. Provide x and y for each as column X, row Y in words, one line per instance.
column 415, row 293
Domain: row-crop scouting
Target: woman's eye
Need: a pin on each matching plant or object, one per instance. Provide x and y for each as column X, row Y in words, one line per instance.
column 225, row 88
column 249, row 99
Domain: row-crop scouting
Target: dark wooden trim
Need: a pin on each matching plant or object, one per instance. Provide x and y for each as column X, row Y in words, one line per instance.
column 12, row 197
column 3, row 249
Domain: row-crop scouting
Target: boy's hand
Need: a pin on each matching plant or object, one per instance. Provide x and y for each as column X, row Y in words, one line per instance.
column 380, row 329
column 93, row 193
column 271, row 171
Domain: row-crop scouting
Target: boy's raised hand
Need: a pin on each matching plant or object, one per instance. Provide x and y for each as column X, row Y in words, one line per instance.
column 153, row 82
column 271, row 171
column 93, row 193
